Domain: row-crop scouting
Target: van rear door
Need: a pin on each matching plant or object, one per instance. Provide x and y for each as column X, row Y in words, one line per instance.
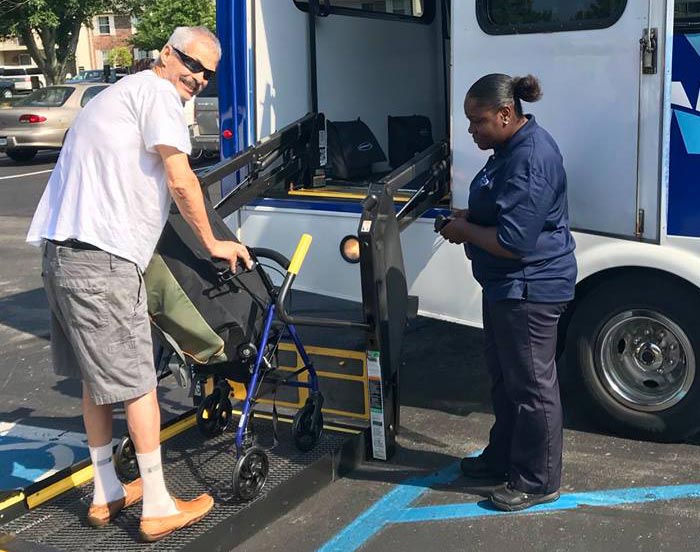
column 587, row 56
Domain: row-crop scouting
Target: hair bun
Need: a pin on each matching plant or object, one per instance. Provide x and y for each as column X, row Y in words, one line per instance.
column 527, row 88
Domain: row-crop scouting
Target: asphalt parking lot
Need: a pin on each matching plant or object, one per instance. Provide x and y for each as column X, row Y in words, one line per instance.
column 618, row 494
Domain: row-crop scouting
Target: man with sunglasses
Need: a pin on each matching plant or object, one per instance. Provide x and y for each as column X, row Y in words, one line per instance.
column 99, row 220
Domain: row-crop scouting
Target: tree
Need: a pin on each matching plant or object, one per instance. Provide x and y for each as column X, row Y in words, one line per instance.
column 157, row 20
column 120, row 57
column 57, row 23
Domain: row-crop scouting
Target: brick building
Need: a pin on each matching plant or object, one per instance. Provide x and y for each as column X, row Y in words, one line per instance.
column 108, row 31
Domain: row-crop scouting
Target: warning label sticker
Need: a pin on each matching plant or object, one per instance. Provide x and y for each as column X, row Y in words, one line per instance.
column 376, row 405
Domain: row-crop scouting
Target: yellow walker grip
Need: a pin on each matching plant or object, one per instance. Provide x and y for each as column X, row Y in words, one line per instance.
column 300, row 253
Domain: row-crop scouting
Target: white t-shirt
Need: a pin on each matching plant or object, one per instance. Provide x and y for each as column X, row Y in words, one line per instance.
column 109, row 186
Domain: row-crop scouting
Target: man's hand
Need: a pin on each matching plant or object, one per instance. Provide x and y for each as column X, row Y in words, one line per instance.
column 455, row 231
column 185, row 190
column 231, row 252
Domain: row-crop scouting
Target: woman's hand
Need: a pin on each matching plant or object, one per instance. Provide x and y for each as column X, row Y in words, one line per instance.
column 455, row 231
column 460, row 213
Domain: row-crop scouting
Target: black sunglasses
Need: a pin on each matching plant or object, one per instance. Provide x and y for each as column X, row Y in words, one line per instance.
column 193, row 65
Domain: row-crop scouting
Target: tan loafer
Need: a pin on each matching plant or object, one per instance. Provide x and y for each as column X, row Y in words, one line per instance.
column 189, row 512
column 100, row 515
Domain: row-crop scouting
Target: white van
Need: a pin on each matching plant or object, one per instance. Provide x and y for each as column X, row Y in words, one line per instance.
column 22, row 77
column 621, row 86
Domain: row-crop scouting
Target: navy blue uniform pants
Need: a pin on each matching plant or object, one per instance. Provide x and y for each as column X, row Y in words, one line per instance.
column 520, row 349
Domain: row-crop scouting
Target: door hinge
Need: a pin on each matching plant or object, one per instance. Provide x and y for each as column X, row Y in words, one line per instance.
column 649, row 51
column 639, row 225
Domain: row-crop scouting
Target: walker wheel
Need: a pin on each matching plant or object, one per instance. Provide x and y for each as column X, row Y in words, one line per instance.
column 125, row 459
column 214, row 415
column 303, row 431
column 250, row 473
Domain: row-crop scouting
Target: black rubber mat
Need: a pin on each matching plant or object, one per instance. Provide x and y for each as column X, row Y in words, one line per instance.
column 194, row 465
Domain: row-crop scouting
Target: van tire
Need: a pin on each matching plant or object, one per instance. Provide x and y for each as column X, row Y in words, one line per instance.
column 22, row 155
column 621, row 334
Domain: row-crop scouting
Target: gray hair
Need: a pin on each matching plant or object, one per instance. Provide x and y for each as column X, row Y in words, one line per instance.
column 182, row 37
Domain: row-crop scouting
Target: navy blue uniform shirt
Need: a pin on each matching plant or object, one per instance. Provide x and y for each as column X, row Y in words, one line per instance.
column 522, row 192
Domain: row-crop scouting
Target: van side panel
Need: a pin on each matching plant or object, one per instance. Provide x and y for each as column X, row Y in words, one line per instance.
column 281, row 50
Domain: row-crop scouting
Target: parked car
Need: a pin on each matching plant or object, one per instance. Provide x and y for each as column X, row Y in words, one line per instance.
column 42, row 119
column 91, row 75
column 98, row 75
column 22, row 77
column 204, row 132
column 7, row 89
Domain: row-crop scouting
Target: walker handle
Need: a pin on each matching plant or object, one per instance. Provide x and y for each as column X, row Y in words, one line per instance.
column 292, row 271
column 299, row 255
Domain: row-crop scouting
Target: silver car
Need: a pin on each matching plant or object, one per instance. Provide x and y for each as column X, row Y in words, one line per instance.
column 204, row 133
column 42, row 119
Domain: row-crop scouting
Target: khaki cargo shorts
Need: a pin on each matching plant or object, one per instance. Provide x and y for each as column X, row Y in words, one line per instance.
column 100, row 331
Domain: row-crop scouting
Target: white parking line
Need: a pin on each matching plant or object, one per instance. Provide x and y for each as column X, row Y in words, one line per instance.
column 34, row 433
column 25, row 174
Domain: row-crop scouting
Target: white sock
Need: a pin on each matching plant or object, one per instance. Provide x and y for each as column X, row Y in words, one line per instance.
column 108, row 488
column 157, row 502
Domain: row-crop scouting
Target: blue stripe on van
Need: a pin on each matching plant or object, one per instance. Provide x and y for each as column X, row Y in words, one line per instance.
column 684, row 149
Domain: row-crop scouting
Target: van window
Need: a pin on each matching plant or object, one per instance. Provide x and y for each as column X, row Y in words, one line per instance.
column 419, row 10
column 687, row 16
column 9, row 72
column 536, row 16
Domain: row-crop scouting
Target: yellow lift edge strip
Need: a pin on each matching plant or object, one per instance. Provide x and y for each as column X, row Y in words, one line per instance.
column 84, row 475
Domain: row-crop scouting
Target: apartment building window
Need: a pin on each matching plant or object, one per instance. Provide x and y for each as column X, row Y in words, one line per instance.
column 25, row 59
column 101, row 57
column 103, row 25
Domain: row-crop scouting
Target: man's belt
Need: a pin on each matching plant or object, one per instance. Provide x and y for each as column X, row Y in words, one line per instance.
column 75, row 244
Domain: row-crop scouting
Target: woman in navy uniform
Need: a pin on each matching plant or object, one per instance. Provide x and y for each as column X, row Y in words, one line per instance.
column 516, row 233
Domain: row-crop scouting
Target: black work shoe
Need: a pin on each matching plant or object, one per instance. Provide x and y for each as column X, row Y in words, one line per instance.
column 475, row 467
column 509, row 499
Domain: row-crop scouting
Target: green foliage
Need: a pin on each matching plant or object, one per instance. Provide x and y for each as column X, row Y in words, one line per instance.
column 120, row 57
column 157, row 20
column 57, row 23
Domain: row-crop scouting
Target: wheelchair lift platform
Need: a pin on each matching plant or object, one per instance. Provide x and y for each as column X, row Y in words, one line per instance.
column 363, row 387
column 41, row 519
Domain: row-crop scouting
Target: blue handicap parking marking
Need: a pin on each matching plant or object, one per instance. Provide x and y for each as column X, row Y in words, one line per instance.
column 395, row 507
column 30, row 454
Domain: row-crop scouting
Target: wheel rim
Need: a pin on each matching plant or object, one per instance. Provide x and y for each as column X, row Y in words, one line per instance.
column 304, row 437
column 126, row 460
column 251, row 474
column 645, row 360
column 214, row 415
